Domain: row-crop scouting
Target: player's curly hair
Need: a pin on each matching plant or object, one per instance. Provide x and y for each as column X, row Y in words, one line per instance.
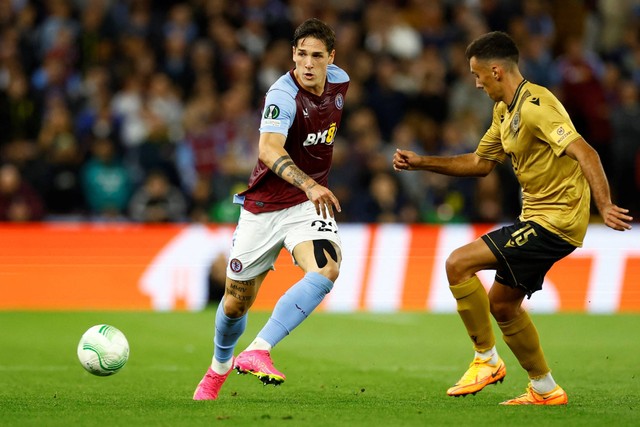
column 317, row 29
column 493, row 45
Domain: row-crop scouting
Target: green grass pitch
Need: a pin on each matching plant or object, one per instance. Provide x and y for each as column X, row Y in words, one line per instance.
column 342, row 370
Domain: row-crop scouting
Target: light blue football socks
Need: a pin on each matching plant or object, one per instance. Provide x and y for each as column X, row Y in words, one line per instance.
column 228, row 332
column 295, row 306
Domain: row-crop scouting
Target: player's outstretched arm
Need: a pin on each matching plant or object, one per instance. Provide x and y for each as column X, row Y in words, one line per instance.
column 614, row 216
column 462, row 165
column 272, row 153
column 405, row 160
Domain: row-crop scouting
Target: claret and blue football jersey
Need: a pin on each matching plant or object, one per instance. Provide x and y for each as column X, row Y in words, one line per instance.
column 310, row 123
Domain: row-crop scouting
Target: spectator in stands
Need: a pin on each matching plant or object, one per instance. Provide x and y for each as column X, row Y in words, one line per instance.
column 63, row 195
column 200, row 202
column 162, row 113
column 580, row 72
column 20, row 113
column 537, row 62
column 384, row 202
column 625, row 145
column 102, row 62
column 94, row 116
column 19, row 202
column 106, row 182
column 157, row 200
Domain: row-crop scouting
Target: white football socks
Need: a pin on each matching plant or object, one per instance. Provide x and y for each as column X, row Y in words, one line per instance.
column 491, row 354
column 259, row 344
column 543, row 384
column 221, row 368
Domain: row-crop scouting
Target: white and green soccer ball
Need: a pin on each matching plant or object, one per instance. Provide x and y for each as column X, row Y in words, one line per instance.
column 103, row 350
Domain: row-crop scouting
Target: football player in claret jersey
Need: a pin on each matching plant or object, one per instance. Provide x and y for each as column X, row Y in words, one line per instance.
column 287, row 204
column 558, row 172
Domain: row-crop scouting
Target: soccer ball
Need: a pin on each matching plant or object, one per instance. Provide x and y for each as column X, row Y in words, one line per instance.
column 103, row 350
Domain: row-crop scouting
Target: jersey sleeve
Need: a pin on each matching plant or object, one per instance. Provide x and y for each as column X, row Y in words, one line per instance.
column 278, row 113
column 336, row 74
column 490, row 146
column 550, row 123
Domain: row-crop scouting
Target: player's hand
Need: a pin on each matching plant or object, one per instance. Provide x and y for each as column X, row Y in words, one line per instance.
column 324, row 200
column 616, row 217
column 405, row 160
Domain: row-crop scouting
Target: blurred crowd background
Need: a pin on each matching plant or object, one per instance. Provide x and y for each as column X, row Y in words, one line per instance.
column 148, row 111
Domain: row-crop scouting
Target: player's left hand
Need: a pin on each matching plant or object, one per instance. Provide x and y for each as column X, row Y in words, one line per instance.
column 616, row 217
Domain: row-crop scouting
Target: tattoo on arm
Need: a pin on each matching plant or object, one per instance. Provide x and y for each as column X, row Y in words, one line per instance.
column 295, row 173
column 281, row 164
column 309, row 188
column 298, row 176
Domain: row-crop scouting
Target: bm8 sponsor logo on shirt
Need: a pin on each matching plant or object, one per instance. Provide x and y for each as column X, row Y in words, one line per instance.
column 322, row 137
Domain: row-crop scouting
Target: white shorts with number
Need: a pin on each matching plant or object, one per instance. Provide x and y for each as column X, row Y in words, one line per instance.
column 258, row 238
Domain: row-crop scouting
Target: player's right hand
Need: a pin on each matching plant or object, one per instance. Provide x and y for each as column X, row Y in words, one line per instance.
column 404, row 160
column 324, row 200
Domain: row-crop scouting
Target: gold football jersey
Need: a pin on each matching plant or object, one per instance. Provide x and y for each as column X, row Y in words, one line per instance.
column 534, row 131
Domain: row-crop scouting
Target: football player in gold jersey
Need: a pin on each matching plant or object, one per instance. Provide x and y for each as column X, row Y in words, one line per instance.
column 559, row 173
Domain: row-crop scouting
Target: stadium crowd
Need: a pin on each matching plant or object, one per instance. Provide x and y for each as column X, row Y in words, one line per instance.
column 140, row 110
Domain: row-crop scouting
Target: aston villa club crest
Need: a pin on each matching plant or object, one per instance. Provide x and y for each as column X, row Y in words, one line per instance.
column 235, row 265
column 515, row 122
column 339, row 101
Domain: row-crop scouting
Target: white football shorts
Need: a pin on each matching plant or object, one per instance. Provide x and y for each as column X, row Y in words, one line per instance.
column 259, row 238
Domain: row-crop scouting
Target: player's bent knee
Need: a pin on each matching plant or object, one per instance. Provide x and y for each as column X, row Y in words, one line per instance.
column 331, row 271
column 454, row 267
column 235, row 307
column 503, row 311
column 326, row 257
column 233, row 310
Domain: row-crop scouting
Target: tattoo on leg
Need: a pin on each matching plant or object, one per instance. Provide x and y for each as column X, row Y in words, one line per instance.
column 251, row 282
column 238, row 296
column 237, row 288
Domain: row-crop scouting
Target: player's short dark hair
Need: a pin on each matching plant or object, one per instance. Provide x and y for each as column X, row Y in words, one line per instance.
column 317, row 29
column 493, row 45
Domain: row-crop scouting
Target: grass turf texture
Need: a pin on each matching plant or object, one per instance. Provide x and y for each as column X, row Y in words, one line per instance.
column 342, row 370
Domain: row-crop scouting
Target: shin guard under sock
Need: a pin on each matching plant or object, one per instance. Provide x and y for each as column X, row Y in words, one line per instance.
column 473, row 308
column 295, row 306
column 228, row 332
column 521, row 336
